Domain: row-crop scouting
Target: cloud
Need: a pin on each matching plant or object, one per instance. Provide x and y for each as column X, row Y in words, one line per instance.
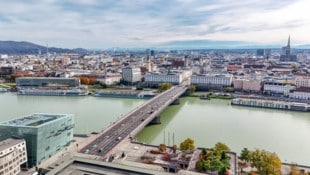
column 140, row 23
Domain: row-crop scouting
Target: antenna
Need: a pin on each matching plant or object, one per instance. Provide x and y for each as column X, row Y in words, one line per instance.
column 164, row 137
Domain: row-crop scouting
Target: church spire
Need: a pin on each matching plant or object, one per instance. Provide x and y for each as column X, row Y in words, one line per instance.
column 289, row 41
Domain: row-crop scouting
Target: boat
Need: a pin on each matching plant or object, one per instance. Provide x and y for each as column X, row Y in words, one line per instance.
column 124, row 94
column 205, row 97
column 272, row 104
column 40, row 92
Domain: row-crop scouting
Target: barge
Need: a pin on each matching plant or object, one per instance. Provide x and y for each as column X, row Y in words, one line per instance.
column 272, row 104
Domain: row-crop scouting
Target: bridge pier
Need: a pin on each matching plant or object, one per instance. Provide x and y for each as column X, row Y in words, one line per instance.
column 176, row 102
column 156, row 120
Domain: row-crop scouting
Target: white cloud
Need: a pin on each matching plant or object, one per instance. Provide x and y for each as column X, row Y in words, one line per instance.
column 99, row 24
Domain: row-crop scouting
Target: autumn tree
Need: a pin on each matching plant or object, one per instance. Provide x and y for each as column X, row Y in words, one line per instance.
column 192, row 88
column 164, row 86
column 187, row 144
column 295, row 170
column 162, row 148
column 265, row 162
column 92, row 81
column 84, row 80
column 215, row 159
column 221, row 147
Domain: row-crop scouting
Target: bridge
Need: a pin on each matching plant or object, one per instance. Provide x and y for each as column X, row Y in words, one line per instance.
column 133, row 122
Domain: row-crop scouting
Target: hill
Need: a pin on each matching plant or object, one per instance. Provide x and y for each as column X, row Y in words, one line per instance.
column 23, row 47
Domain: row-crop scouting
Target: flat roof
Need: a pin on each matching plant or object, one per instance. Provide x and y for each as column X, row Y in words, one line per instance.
column 7, row 143
column 47, row 78
column 81, row 166
column 33, row 120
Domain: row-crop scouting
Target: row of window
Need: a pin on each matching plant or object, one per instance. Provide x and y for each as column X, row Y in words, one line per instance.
column 19, row 145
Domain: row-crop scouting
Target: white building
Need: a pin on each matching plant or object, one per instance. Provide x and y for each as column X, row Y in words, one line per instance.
column 110, row 79
column 278, row 88
column 13, row 154
column 300, row 94
column 156, row 78
column 212, row 80
column 302, row 81
column 131, row 75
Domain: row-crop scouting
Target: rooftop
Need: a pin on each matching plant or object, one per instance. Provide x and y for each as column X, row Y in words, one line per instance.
column 33, row 120
column 46, row 78
column 7, row 143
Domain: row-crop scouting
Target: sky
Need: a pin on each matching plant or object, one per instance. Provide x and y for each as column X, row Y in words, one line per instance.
column 155, row 23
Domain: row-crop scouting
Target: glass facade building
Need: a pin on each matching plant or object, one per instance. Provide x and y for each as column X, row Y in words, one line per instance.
column 45, row 134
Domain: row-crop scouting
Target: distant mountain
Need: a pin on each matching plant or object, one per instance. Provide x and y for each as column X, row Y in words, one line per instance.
column 214, row 44
column 13, row 47
column 306, row 46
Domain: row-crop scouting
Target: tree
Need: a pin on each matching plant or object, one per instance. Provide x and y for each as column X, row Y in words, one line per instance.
column 174, row 148
column 265, row 162
column 229, row 89
column 192, row 88
column 162, row 148
column 199, row 165
column 84, row 80
column 215, row 159
column 92, row 81
column 245, row 155
column 187, row 144
column 221, row 147
column 295, row 170
column 164, row 86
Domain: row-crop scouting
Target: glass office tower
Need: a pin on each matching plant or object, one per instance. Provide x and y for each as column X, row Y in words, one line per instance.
column 45, row 134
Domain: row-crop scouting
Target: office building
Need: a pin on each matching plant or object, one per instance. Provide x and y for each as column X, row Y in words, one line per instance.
column 154, row 79
column 45, row 134
column 212, row 81
column 131, row 75
column 278, row 88
column 25, row 82
column 13, row 154
column 260, row 52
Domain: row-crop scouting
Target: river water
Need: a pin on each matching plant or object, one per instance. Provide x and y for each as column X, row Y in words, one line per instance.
column 206, row 121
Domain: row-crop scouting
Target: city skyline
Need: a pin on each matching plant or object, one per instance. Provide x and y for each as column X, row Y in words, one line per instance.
column 157, row 23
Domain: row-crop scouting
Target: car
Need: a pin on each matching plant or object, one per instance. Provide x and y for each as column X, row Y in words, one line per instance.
column 100, row 150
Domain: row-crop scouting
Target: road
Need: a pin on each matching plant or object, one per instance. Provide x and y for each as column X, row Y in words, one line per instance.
column 131, row 123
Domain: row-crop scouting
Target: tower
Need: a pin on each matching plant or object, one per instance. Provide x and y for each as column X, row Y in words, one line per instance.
column 148, row 61
column 288, row 47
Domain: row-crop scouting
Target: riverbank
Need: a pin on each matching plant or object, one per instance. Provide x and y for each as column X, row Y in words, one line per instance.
column 212, row 95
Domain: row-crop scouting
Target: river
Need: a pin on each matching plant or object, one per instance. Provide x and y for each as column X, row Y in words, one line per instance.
column 206, row 121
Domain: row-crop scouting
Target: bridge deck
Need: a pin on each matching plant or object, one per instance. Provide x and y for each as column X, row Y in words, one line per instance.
column 133, row 122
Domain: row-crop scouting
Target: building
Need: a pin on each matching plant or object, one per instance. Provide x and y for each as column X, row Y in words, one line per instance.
column 5, row 71
column 301, row 93
column 251, row 85
column 29, row 82
column 247, row 85
column 286, row 55
column 110, row 79
column 302, row 81
column 154, row 79
column 212, row 81
column 260, row 52
column 13, row 154
column 278, row 88
column 45, row 134
column 238, row 84
column 131, row 75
